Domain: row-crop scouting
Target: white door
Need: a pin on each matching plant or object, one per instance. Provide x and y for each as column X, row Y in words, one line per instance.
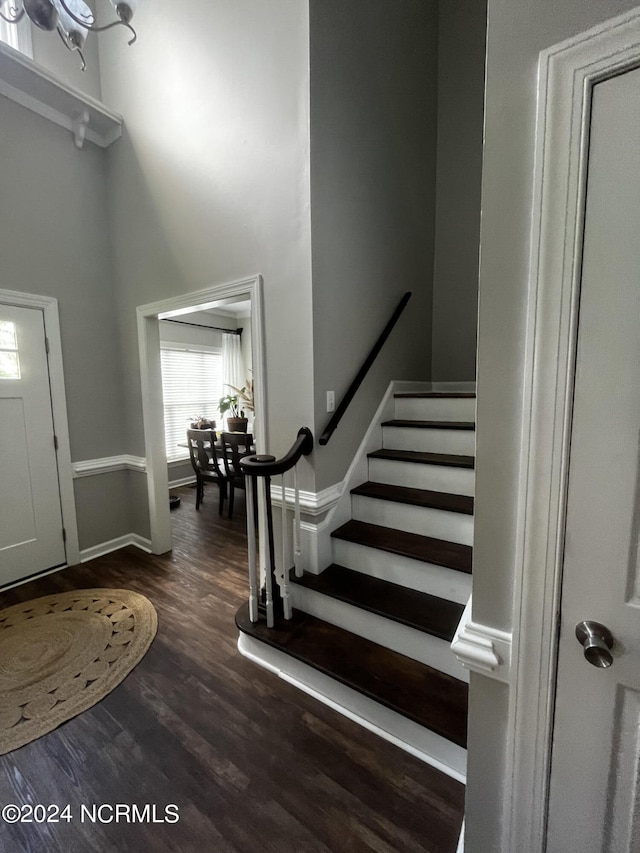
column 595, row 767
column 31, row 530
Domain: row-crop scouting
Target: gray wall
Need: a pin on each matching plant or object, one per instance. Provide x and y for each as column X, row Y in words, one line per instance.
column 210, row 182
column 105, row 509
column 461, row 49
column 54, row 241
column 517, row 32
column 373, row 147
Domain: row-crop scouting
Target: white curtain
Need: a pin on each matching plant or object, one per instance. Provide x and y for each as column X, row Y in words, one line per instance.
column 233, row 369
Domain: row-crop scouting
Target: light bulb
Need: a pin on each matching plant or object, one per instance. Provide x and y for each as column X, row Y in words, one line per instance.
column 74, row 31
column 42, row 13
column 125, row 9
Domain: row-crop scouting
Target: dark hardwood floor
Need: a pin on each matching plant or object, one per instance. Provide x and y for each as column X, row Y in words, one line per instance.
column 252, row 764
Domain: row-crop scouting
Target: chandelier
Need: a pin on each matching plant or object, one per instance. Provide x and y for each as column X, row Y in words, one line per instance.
column 73, row 19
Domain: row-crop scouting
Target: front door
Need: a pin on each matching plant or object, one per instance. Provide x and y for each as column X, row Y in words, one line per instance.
column 31, row 530
column 594, row 800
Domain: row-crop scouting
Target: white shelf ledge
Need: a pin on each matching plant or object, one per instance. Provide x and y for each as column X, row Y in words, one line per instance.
column 35, row 88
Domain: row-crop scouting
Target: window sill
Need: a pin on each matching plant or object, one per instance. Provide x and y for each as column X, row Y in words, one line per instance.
column 27, row 83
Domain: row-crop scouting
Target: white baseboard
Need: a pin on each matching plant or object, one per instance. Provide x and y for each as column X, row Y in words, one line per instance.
column 90, row 554
column 114, row 545
column 35, row 577
column 460, row 847
column 183, row 481
column 393, row 727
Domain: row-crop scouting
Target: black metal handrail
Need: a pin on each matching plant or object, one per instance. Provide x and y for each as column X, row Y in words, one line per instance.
column 351, row 392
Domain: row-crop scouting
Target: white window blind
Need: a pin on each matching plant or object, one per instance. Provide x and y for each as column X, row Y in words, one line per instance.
column 192, row 387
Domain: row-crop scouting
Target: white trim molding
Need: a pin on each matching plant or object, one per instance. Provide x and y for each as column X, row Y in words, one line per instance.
column 566, row 76
column 151, row 380
column 103, row 548
column 481, row 648
column 311, row 503
column 183, row 481
column 91, row 467
column 32, row 86
column 49, row 306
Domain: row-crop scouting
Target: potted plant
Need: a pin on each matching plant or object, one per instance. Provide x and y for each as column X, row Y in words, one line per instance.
column 236, row 421
column 201, row 422
column 236, row 404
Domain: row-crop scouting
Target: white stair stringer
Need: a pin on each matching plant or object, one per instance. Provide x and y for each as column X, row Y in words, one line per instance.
column 393, row 727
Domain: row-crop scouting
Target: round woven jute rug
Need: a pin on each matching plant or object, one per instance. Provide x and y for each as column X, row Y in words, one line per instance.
column 61, row 654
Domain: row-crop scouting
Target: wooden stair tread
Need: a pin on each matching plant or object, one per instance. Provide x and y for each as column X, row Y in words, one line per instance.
column 451, row 555
column 435, row 395
column 436, row 616
column 422, row 458
column 425, row 498
column 430, row 698
column 410, row 424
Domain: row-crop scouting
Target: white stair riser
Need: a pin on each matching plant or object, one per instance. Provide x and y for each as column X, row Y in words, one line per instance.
column 414, row 574
column 441, row 524
column 436, row 408
column 414, row 475
column 407, row 641
column 461, row 441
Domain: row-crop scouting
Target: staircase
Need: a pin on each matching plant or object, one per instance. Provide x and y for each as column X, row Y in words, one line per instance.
column 378, row 622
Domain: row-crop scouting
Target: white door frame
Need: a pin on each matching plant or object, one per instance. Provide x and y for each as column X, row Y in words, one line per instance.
column 49, row 306
column 151, row 380
column 567, row 75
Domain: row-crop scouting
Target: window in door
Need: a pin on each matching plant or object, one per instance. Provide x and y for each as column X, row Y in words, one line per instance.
column 9, row 357
column 191, row 387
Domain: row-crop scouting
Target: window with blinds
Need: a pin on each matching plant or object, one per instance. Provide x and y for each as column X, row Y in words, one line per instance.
column 192, row 387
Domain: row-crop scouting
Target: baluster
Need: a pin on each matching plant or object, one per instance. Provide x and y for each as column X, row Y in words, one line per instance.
column 286, row 601
column 297, row 549
column 268, row 574
column 251, row 544
column 274, row 599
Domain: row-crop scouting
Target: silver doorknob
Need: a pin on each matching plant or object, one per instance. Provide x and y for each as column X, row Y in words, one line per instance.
column 596, row 640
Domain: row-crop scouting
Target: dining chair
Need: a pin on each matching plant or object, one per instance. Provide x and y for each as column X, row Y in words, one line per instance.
column 234, row 446
column 205, row 462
